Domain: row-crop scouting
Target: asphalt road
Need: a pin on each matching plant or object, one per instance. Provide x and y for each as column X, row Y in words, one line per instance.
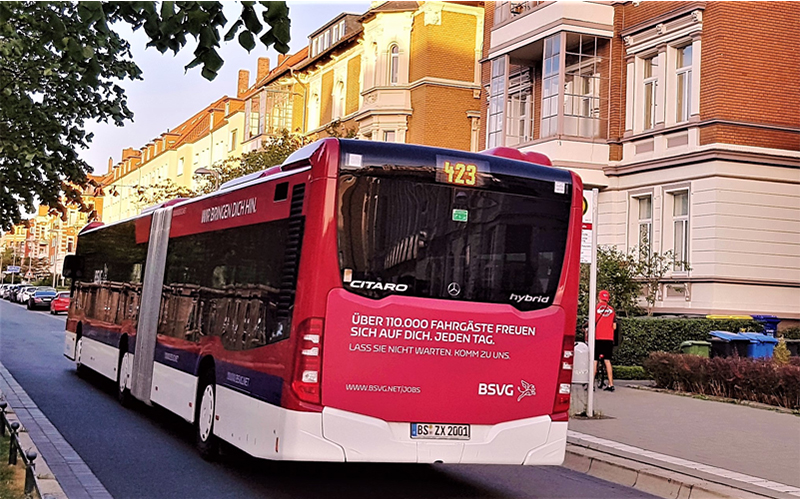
column 146, row 452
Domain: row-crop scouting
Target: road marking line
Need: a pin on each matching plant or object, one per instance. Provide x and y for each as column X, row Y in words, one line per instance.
column 717, row 471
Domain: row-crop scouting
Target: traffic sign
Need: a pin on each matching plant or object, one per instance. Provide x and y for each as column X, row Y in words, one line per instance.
column 12, row 269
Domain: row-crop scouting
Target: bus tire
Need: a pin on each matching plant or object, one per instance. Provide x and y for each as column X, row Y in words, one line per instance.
column 205, row 440
column 79, row 367
column 123, row 370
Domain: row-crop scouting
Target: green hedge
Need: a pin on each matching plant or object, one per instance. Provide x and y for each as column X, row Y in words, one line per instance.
column 630, row 373
column 641, row 336
column 790, row 333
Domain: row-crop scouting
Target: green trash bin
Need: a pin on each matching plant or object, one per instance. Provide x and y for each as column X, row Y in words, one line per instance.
column 696, row 347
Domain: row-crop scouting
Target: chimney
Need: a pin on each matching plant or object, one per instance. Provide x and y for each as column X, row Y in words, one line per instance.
column 110, row 163
column 281, row 58
column 244, row 82
column 129, row 153
column 263, row 68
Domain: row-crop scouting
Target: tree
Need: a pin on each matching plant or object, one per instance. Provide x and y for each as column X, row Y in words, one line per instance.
column 274, row 150
column 651, row 267
column 617, row 273
column 61, row 64
column 163, row 191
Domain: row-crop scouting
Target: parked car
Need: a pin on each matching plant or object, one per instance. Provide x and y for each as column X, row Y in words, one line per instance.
column 24, row 293
column 60, row 303
column 10, row 291
column 41, row 298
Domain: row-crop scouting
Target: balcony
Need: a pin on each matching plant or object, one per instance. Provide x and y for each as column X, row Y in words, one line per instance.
column 521, row 23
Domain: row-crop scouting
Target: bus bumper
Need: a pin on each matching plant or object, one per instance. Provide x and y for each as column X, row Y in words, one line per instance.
column 532, row 441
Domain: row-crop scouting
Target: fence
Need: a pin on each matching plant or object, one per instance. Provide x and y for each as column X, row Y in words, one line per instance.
column 15, row 450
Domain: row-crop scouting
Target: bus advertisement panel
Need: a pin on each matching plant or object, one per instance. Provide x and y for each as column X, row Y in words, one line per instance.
column 363, row 301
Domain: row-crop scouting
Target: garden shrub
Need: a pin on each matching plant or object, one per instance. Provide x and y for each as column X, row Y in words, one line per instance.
column 759, row 380
column 641, row 336
column 790, row 333
column 630, row 373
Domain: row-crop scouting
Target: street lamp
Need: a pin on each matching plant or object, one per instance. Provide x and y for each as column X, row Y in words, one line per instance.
column 207, row 171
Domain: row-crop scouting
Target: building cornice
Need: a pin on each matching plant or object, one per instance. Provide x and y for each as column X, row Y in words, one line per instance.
column 702, row 156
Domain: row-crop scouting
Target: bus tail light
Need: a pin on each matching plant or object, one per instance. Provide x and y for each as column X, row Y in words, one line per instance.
column 564, row 385
column 307, row 373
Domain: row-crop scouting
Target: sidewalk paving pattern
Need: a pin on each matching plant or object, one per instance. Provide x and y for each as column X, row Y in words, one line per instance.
column 73, row 475
column 729, row 443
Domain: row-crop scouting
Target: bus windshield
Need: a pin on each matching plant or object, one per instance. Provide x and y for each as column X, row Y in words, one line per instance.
column 401, row 233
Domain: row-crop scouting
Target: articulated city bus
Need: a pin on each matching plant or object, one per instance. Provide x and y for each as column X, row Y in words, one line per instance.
column 363, row 301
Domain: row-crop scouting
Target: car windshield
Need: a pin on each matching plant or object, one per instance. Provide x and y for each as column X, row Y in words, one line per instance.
column 63, row 295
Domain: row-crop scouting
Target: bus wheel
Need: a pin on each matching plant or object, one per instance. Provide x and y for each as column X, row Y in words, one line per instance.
column 206, row 442
column 123, row 375
column 78, row 349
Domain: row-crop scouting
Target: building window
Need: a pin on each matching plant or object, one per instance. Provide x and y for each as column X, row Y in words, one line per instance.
column 388, row 136
column 680, row 226
column 497, row 96
column 255, row 115
column 315, row 47
column 327, row 38
column 585, row 68
column 232, row 141
column 520, row 106
column 335, row 33
column 341, row 28
column 550, row 85
column 394, row 64
column 683, row 84
column 650, row 73
column 645, row 224
column 339, row 100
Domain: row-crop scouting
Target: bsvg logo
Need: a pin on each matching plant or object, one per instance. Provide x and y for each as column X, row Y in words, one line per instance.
column 495, row 389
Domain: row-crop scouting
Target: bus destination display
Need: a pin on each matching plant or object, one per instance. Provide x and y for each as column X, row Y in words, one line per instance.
column 459, row 172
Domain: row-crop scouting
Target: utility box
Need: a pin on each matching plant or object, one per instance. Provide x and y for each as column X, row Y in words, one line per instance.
column 581, row 366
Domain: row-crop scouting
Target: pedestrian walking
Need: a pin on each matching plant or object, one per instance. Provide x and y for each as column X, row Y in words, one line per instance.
column 605, row 329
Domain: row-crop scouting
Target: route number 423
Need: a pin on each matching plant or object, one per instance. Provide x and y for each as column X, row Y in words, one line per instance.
column 464, row 174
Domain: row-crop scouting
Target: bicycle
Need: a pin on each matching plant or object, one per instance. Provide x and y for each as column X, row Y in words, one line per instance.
column 601, row 377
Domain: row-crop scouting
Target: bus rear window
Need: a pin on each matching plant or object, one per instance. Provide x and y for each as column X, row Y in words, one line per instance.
column 406, row 235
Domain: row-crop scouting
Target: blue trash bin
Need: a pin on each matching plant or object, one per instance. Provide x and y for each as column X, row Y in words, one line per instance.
column 726, row 344
column 762, row 346
column 769, row 322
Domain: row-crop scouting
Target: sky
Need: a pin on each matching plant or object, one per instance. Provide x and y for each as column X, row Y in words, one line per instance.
column 168, row 95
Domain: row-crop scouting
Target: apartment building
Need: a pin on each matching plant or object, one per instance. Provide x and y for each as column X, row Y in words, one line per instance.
column 685, row 115
column 210, row 136
column 401, row 72
column 51, row 236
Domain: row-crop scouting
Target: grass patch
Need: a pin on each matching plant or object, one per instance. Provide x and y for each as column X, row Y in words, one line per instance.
column 12, row 478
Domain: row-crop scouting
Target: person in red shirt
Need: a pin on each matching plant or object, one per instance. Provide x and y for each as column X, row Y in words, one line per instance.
column 605, row 326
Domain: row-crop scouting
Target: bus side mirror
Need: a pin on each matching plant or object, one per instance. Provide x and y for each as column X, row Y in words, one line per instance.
column 73, row 266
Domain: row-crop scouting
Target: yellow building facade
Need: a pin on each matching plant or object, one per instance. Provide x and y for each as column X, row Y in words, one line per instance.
column 209, row 137
column 405, row 72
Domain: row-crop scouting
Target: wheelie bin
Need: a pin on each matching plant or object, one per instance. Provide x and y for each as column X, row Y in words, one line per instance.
column 696, row 347
column 727, row 344
column 762, row 345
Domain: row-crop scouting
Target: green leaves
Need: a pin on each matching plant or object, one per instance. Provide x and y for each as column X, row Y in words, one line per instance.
column 61, row 64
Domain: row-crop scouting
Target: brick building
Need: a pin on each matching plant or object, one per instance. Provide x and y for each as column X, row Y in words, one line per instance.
column 401, row 72
column 686, row 116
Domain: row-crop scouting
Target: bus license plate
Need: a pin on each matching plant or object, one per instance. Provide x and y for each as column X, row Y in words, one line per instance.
column 440, row 431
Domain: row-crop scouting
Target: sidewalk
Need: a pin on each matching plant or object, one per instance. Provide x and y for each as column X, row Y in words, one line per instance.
column 731, row 450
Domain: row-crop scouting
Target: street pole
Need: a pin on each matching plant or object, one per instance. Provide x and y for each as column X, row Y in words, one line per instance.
column 592, row 303
column 14, row 262
column 55, row 259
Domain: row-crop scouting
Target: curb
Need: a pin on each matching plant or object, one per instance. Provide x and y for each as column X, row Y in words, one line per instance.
column 656, row 477
column 46, row 482
column 719, row 399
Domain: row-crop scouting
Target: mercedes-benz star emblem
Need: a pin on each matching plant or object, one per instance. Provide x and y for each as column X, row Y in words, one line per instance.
column 454, row 289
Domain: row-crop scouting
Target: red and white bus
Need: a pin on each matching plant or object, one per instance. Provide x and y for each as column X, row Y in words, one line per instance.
column 363, row 301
